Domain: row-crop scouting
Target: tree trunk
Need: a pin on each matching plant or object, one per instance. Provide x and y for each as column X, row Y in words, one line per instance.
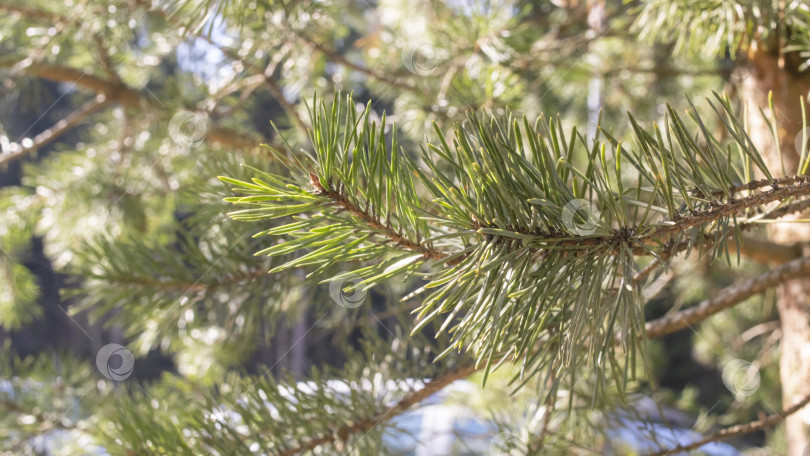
column 766, row 74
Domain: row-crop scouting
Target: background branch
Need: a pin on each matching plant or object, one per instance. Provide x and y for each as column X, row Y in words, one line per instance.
column 343, row 433
column 337, row 58
column 728, row 298
column 740, row 429
column 18, row 150
column 117, row 92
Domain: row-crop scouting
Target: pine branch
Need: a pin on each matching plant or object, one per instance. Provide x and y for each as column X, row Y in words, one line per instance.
column 185, row 287
column 778, row 193
column 781, row 23
column 757, row 184
column 114, row 92
column 30, row 12
column 118, row 92
column 737, row 430
column 46, row 423
column 231, row 138
column 272, row 86
column 788, row 187
column 339, row 199
column 800, row 186
column 497, row 217
column 212, row 274
column 361, row 426
column 727, row 298
column 754, row 248
column 792, row 208
column 75, row 118
column 537, row 444
column 340, row 59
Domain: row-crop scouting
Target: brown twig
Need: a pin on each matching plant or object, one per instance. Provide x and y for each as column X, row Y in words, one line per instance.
column 272, row 85
column 757, row 184
column 537, row 445
column 38, row 417
column 30, row 12
column 128, row 97
column 664, row 229
column 739, row 429
column 364, row 425
column 18, row 150
column 188, row 286
column 728, row 298
column 337, row 58
column 115, row 92
column 340, row 199
column 778, row 193
column 758, row 249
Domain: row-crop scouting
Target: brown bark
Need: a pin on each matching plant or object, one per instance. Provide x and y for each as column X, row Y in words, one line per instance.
column 740, row 429
column 117, row 92
column 53, row 133
column 729, row 297
column 769, row 73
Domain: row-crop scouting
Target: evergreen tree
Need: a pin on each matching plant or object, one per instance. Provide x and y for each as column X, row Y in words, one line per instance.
column 319, row 214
